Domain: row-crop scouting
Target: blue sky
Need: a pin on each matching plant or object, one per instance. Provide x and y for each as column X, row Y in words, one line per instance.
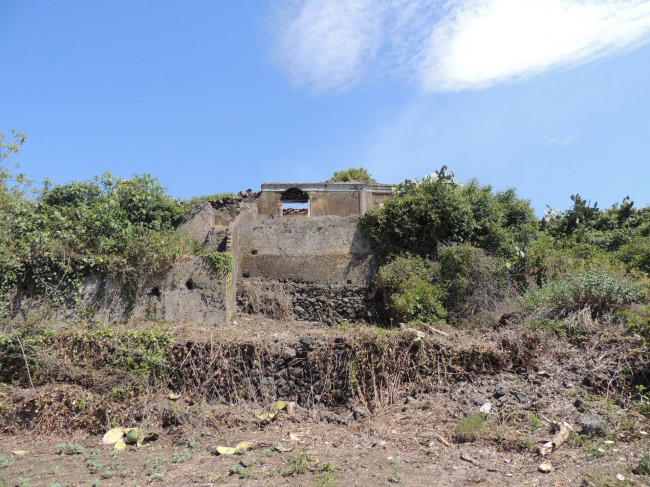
column 549, row 96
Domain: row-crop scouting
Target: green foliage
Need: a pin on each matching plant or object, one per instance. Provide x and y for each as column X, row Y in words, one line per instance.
column 222, row 262
column 474, row 281
column 353, row 174
column 607, row 230
column 636, row 254
column 209, row 197
column 143, row 351
column 69, row 448
column 638, row 320
column 643, row 468
column 125, row 228
column 438, row 211
column 410, row 289
column 15, row 341
column 597, row 289
column 470, row 426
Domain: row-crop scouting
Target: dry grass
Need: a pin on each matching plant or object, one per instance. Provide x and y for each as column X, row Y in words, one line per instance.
column 259, row 296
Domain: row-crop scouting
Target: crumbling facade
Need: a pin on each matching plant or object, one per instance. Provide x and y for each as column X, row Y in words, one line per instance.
column 305, row 236
column 303, row 241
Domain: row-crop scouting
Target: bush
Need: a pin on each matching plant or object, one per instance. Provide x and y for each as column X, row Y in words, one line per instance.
column 354, row 174
column 474, row 281
column 108, row 225
column 440, row 211
column 598, row 290
column 409, row 290
column 636, row 254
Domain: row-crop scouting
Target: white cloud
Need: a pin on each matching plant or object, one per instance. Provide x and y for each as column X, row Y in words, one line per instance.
column 451, row 45
column 328, row 44
column 560, row 142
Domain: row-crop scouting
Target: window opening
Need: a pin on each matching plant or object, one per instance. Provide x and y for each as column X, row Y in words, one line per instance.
column 295, row 203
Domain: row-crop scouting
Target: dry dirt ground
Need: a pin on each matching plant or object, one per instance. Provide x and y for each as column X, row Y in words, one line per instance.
column 426, row 440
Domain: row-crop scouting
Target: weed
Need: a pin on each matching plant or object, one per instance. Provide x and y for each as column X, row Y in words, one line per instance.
column 525, row 445
column 324, row 480
column 6, row 462
column 93, row 483
column 69, row 448
column 93, row 463
column 107, row 474
column 327, row 467
column 298, row 464
column 396, row 465
column 534, row 422
column 156, row 476
column 241, row 471
column 180, row 457
column 643, row 468
column 24, row 482
column 469, row 427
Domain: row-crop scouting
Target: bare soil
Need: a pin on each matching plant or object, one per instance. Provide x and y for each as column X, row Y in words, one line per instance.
column 418, row 441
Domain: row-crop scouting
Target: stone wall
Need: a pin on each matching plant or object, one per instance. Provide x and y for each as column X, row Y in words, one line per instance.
column 328, row 303
column 189, row 291
column 329, row 249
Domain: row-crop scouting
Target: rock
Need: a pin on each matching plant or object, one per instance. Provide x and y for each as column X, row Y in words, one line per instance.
column 486, row 408
column 593, row 425
column 19, row 453
column 545, row 467
column 359, row 412
column 343, row 418
column 521, row 397
column 578, row 403
column 501, row 391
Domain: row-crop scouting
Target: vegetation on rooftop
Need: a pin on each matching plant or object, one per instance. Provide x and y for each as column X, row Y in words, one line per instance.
column 352, row 175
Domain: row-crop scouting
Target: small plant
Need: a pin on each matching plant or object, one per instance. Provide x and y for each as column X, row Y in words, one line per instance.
column 327, row 467
column 241, row 471
column 324, row 480
column 180, row 457
column 24, row 482
column 643, row 468
column 469, row 427
column 93, row 463
column 222, row 263
column 396, row 465
column 534, row 421
column 6, row 462
column 69, row 448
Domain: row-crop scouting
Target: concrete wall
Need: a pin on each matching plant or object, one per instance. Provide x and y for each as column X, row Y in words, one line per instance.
column 189, row 291
column 329, row 249
column 340, row 203
column 268, row 203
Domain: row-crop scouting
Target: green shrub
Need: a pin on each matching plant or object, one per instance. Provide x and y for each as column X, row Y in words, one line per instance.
column 596, row 289
column 473, row 280
column 439, row 211
column 636, row 254
column 409, row 289
column 353, row 174
column 121, row 227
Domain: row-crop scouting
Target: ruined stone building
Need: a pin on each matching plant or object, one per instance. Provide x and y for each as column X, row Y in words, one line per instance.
column 300, row 241
column 305, row 236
